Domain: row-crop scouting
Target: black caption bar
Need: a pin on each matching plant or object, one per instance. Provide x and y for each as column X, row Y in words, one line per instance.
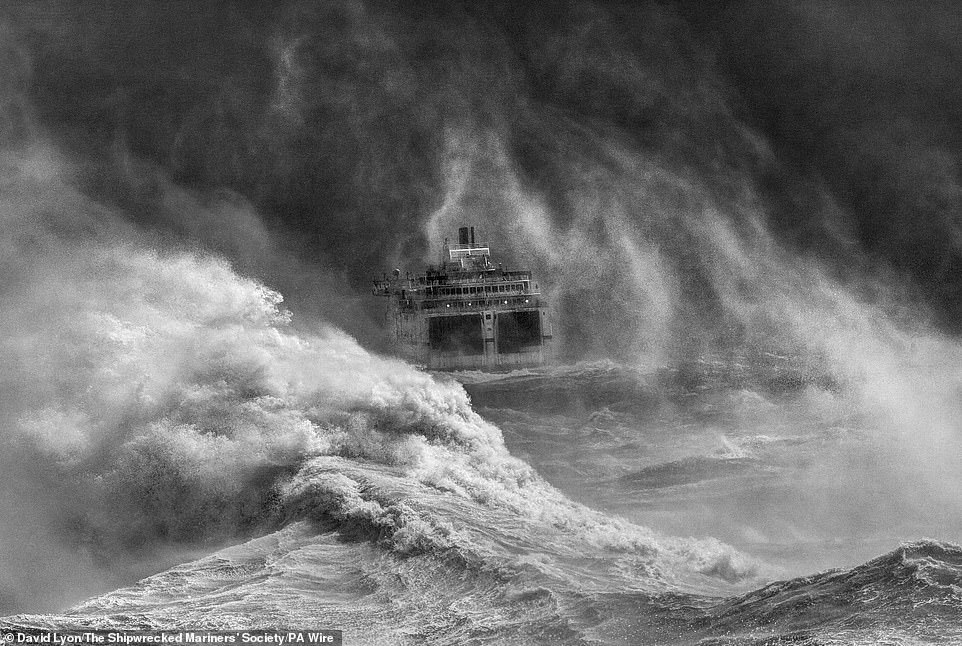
column 16, row 637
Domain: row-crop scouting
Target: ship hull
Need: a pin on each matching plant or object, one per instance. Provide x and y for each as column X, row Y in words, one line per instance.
column 490, row 340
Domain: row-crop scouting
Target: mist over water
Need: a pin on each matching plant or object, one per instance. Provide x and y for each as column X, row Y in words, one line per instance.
column 693, row 188
column 162, row 404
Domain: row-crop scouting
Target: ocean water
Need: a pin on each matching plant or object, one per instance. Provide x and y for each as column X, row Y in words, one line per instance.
column 745, row 214
column 178, row 451
column 306, row 482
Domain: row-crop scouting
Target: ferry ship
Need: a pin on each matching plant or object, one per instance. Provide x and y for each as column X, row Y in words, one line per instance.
column 466, row 313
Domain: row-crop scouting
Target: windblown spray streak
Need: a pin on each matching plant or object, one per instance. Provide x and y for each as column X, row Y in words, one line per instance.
column 186, row 411
column 582, row 130
column 176, row 407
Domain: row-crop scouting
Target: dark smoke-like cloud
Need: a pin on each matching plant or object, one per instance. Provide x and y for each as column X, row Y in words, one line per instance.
column 866, row 96
column 362, row 133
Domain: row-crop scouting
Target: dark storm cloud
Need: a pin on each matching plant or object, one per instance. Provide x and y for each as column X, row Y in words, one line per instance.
column 867, row 96
column 363, row 132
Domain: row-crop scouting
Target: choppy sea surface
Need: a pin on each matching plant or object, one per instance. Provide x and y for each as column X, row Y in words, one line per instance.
column 706, row 503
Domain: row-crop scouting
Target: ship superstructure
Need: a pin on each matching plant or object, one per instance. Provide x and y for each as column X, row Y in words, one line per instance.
column 466, row 313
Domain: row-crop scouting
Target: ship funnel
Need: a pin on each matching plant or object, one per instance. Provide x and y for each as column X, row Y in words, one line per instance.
column 472, row 235
column 463, row 235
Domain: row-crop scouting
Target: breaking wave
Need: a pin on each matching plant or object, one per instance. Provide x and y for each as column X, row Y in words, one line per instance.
column 164, row 400
column 910, row 595
column 159, row 406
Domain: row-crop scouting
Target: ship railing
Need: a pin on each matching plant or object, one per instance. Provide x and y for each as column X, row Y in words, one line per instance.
column 478, row 295
column 416, row 293
column 394, row 284
column 473, row 277
column 487, row 280
column 472, row 252
column 470, row 245
column 507, row 302
column 416, row 285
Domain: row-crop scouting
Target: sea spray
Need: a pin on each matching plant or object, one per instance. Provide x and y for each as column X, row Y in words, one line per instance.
column 165, row 400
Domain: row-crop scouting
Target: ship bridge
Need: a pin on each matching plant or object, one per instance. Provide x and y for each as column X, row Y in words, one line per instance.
column 467, row 254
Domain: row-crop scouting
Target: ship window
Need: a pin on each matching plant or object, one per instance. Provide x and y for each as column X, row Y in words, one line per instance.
column 461, row 334
column 518, row 330
column 487, row 316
